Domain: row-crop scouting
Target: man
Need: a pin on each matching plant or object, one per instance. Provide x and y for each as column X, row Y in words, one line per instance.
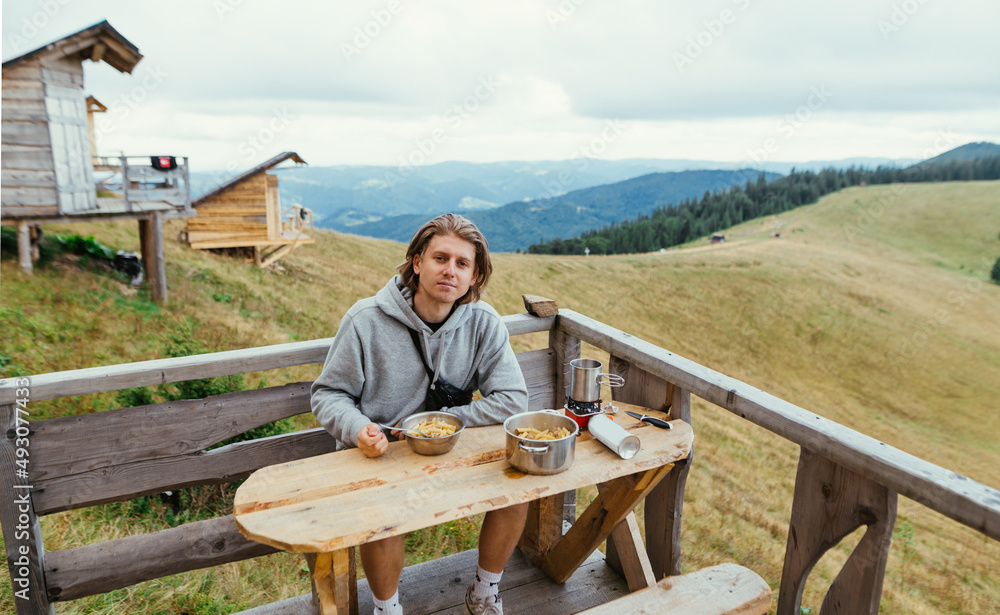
column 374, row 374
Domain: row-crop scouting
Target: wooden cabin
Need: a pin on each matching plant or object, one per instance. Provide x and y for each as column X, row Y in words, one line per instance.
column 49, row 151
column 246, row 212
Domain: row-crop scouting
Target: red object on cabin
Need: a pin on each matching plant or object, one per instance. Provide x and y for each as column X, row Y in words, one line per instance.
column 164, row 163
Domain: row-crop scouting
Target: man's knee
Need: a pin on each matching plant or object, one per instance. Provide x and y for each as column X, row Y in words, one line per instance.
column 519, row 510
column 513, row 511
column 512, row 515
column 384, row 547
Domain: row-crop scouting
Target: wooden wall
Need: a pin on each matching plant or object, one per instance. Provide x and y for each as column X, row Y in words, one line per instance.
column 66, row 108
column 273, row 208
column 29, row 177
column 43, row 103
column 240, row 216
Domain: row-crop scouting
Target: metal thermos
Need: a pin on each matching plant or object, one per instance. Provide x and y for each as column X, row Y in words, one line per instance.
column 614, row 436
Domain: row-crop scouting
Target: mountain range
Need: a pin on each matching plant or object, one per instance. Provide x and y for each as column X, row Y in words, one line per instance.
column 518, row 203
column 517, row 225
column 969, row 151
column 346, row 196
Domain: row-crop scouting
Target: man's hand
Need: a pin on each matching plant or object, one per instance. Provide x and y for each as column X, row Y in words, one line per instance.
column 372, row 441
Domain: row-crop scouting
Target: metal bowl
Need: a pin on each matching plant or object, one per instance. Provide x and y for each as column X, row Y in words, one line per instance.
column 432, row 446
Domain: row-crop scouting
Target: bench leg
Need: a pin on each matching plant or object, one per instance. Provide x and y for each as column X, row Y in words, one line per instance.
column 543, row 528
column 614, row 503
column 334, row 582
column 627, row 556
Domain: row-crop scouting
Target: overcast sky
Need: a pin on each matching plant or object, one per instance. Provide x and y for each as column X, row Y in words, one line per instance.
column 230, row 83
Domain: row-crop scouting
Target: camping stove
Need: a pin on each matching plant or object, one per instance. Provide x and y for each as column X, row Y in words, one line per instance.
column 585, row 380
column 582, row 411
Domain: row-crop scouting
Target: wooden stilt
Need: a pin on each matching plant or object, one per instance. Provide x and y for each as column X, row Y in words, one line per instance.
column 144, row 245
column 830, row 502
column 36, row 242
column 275, row 255
column 152, row 255
column 24, row 246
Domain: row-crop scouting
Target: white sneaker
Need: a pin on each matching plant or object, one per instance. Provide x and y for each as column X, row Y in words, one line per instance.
column 475, row 606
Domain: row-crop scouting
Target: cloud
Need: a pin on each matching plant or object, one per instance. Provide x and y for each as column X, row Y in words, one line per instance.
column 369, row 78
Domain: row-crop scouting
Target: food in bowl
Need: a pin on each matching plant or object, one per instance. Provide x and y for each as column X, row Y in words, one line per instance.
column 432, row 444
column 432, row 428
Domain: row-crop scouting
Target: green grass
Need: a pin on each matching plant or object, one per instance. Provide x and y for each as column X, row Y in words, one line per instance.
column 874, row 309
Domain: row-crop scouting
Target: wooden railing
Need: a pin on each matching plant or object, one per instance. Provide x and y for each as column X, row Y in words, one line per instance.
column 844, row 477
column 137, row 181
column 297, row 222
column 81, row 461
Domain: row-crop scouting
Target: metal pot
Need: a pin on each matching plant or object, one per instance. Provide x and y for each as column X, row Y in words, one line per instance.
column 540, row 456
column 585, row 380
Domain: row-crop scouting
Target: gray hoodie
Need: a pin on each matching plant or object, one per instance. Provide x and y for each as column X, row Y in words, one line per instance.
column 374, row 374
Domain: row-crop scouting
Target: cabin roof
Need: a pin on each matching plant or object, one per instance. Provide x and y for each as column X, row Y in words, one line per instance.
column 98, row 42
column 260, row 168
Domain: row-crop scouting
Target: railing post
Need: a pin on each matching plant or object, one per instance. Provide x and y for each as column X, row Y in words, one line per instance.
column 544, row 526
column 829, row 503
column 22, row 534
column 567, row 348
column 665, row 504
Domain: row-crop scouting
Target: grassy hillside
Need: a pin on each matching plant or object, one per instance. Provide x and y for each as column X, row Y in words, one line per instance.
column 872, row 309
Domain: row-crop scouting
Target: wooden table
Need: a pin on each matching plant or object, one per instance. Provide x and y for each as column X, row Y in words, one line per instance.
column 324, row 506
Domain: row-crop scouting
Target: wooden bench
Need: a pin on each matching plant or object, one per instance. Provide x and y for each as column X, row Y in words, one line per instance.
column 725, row 589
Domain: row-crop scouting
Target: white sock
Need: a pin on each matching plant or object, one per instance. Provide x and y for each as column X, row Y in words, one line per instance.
column 487, row 583
column 388, row 607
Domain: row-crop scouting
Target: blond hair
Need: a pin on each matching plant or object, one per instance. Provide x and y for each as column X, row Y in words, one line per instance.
column 449, row 224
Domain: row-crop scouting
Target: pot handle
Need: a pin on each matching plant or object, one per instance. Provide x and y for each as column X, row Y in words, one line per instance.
column 533, row 449
column 611, row 380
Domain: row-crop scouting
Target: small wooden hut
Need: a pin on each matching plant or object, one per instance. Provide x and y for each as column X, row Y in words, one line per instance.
column 246, row 212
column 49, row 152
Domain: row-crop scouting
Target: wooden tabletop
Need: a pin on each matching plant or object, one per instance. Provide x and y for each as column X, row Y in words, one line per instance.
column 343, row 499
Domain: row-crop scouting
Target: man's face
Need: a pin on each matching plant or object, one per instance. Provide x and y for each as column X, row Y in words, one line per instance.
column 446, row 268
